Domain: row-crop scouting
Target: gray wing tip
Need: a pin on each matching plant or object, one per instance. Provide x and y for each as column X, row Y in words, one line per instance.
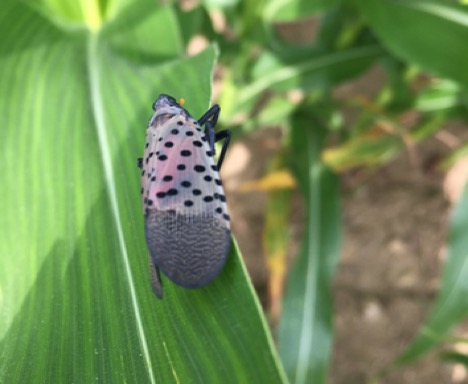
column 194, row 254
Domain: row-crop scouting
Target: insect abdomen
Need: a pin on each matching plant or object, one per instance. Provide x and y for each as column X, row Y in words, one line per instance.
column 190, row 249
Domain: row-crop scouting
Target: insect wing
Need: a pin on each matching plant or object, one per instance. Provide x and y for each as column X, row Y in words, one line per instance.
column 186, row 221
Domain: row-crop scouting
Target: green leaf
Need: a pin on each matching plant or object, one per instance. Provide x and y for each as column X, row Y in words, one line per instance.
column 290, row 10
column 431, row 34
column 368, row 149
column 443, row 94
column 305, row 333
column 307, row 71
column 220, row 3
column 452, row 301
column 128, row 35
column 455, row 357
column 194, row 22
column 75, row 299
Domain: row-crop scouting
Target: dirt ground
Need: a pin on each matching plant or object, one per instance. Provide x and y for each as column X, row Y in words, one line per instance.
column 394, row 222
column 394, row 230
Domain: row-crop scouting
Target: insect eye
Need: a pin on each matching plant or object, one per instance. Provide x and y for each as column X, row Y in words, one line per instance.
column 171, row 101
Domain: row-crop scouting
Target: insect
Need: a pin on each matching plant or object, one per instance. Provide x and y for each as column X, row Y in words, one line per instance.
column 187, row 225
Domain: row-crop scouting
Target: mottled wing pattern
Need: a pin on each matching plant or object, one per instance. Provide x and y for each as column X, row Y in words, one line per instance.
column 186, row 221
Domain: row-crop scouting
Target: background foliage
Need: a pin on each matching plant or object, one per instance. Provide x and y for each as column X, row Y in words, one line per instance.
column 76, row 84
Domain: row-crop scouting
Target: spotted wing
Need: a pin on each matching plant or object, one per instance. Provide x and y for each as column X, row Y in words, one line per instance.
column 186, row 220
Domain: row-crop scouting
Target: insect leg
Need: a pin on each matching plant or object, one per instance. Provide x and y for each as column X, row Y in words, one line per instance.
column 209, row 120
column 210, row 136
column 212, row 114
column 140, row 162
column 226, row 135
column 156, row 282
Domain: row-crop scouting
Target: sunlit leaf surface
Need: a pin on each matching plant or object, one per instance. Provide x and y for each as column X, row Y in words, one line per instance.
column 75, row 300
column 431, row 34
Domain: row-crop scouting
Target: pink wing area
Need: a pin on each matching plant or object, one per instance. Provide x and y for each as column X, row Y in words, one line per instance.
column 187, row 225
column 181, row 174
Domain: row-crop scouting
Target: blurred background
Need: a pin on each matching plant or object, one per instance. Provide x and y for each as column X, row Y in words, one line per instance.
column 345, row 177
column 397, row 139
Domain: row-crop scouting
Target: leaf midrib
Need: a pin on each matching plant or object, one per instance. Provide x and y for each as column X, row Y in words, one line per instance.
column 313, row 247
column 97, row 107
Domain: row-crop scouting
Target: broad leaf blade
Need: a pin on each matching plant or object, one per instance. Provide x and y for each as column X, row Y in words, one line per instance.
column 429, row 33
column 305, row 333
column 74, row 280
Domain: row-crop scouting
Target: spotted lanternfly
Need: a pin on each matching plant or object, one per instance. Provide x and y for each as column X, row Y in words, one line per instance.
column 187, row 225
